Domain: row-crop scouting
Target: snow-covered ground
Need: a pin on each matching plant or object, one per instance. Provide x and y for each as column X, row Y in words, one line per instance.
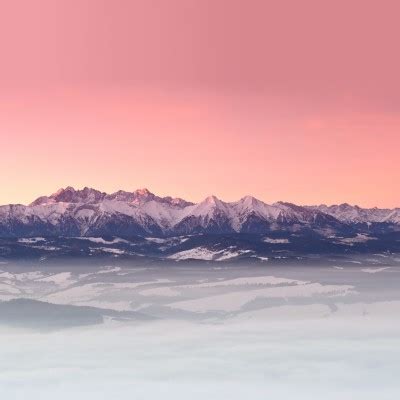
column 276, row 241
column 202, row 253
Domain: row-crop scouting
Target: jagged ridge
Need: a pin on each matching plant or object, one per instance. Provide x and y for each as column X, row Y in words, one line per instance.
column 89, row 212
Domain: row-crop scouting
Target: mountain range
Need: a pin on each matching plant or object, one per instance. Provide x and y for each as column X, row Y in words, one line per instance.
column 89, row 212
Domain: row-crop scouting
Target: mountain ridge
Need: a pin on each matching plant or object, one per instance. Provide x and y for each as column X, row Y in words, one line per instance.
column 72, row 212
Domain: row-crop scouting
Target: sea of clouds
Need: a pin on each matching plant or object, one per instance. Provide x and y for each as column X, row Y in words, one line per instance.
column 307, row 359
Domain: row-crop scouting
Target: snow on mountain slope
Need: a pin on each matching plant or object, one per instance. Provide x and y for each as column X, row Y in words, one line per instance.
column 248, row 215
column 393, row 216
column 211, row 215
column 89, row 212
column 249, row 208
column 89, row 195
column 355, row 214
column 166, row 214
column 70, row 195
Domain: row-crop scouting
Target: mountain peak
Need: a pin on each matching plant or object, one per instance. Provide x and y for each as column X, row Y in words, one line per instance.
column 213, row 200
column 249, row 201
column 143, row 192
column 56, row 197
column 345, row 206
column 71, row 195
column 63, row 190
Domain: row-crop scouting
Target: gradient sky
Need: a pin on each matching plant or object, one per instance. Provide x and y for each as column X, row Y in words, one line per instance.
column 290, row 100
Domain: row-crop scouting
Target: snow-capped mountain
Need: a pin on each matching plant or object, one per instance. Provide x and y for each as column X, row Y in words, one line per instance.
column 91, row 196
column 355, row 214
column 89, row 212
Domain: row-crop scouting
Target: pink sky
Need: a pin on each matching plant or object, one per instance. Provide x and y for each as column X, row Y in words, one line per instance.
column 288, row 100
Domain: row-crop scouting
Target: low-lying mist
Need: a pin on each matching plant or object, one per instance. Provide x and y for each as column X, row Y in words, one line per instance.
column 210, row 331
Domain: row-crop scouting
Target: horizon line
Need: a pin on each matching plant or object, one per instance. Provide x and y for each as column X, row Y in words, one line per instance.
column 144, row 189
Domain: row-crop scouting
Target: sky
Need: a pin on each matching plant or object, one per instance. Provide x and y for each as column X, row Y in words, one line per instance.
column 291, row 100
